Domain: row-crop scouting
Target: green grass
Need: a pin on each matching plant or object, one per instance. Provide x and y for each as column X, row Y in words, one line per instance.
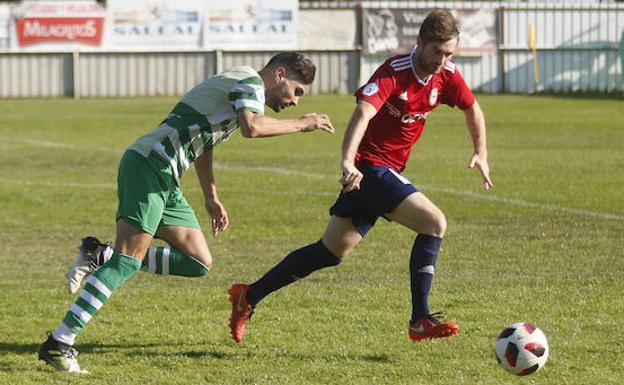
column 545, row 246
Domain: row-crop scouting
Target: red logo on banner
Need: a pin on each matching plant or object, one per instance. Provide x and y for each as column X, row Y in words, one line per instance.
column 87, row 30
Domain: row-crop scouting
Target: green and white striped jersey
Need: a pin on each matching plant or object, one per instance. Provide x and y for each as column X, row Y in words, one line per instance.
column 205, row 117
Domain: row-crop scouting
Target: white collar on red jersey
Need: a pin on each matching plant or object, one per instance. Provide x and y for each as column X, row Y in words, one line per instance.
column 422, row 82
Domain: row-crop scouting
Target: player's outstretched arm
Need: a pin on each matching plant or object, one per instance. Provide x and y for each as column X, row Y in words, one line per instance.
column 203, row 166
column 351, row 176
column 476, row 124
column 253, row 125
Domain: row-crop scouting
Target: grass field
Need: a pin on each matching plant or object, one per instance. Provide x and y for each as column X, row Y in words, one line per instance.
column 544, row 246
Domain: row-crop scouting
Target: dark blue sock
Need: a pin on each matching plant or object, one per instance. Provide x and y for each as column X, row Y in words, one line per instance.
column 422, row 269
column 298, row 264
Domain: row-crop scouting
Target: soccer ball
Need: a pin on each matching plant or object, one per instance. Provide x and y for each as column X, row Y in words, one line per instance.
column 521, row 349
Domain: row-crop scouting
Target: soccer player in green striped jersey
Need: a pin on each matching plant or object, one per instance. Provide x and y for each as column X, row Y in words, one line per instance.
column 150, row 201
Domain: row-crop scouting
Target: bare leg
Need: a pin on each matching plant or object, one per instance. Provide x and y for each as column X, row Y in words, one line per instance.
column 187, row 240
column 131, row 241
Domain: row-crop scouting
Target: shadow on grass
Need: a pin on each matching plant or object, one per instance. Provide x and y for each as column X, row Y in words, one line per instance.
column 155, row 350
column 269, row 355
column 333, row 357
column 12, row 347
column 22, row 348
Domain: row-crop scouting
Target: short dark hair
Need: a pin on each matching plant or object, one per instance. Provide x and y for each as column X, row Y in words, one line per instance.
column 298, row 66
column 440, row 26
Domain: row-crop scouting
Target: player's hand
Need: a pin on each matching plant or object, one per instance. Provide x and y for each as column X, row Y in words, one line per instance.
column 219, row 216
column 480, row 162
column 351, row 177
column 314, row 121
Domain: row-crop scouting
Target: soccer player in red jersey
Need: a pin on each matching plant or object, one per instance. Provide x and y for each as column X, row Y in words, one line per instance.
column 388, row 119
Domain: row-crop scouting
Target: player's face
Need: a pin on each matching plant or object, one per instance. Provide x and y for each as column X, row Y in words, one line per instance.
column 284, row 92
column 432, row 56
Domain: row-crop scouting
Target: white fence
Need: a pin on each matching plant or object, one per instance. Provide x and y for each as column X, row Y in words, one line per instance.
column 578, row 49
column 130, row 74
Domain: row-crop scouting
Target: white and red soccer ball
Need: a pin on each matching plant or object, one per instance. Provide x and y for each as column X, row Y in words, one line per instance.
column 522, row 349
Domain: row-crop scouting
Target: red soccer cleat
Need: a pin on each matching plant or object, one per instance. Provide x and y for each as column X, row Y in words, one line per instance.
column 241, row 310
column 429, row 327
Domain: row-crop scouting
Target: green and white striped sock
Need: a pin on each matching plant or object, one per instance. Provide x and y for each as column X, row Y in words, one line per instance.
column 169, row 261
column 99, row 287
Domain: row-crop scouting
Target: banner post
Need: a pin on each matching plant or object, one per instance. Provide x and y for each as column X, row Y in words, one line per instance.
column 622, row 55
column 76, row 73
column 533, row 48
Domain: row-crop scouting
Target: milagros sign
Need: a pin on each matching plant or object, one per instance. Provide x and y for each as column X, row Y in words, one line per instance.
column 55, row 24
column 82, row 30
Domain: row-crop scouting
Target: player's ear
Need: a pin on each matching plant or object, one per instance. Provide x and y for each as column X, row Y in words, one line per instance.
column 280, row 74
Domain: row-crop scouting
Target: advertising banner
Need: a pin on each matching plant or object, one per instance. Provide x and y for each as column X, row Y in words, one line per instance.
column 5, row 22
column 392, row 31
column 251, row 25
column 327, row 29
column 59, row 24
column 478, row 32
column 155, row 24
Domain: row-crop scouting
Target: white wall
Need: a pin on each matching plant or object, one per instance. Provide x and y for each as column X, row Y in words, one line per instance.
column 578, row 50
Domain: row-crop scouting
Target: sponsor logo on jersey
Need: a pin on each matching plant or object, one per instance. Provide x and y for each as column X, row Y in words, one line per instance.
column 433, row 96
column 405, row 118
column 370, row 89
column 412, row 118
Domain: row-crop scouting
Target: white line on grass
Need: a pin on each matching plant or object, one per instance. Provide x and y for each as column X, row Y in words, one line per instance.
column 35, row 142
column 522, row 203
column 491, row 198
column 470, row 194
column 274, row 170
column 22, row 182
column 283, row 171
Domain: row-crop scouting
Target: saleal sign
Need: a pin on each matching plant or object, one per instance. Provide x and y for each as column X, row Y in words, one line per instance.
column 155, row 24
column 59, row 22
column 251, row 24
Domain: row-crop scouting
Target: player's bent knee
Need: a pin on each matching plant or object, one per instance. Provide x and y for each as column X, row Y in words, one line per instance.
column 202, row 272
column 341, row 246
column 192, row 267
column 338, row 251
column 207, row 262
column 203, row 257
column 196, row 270
column 437, row 225
column 204, row 266
column 441, row 226
column 342, row 254
column 330, row 258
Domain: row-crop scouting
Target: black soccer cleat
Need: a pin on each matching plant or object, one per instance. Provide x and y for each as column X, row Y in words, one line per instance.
column 60, row 356
column 91, row 255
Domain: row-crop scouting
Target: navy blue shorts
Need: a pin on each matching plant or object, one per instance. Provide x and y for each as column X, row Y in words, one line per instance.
column 381, row 191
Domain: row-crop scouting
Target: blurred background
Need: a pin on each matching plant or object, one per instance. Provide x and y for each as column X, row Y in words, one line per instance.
column 122, row 48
